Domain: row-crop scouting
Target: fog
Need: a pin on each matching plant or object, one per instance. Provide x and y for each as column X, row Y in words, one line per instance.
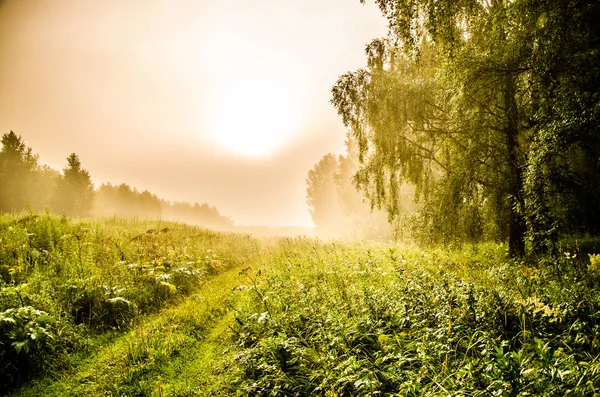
column 217, row 102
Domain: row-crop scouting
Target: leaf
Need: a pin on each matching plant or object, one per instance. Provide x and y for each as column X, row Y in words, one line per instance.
column 262, row 317
column 119, row 300
column 8, row 320
column 21, row 345
column 172, row 287
column 527, row 371
column 44, row 318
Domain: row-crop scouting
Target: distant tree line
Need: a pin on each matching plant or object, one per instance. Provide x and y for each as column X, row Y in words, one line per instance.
column 124, row 201
column 27, row 185
column 490, row 110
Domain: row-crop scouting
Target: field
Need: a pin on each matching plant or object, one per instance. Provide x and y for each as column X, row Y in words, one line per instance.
column 119, row 307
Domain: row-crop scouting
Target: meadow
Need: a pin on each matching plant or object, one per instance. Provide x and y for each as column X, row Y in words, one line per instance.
column 117, row 307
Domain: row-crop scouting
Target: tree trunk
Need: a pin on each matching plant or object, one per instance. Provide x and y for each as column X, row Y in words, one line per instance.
column 516, row 223
column 516, row 235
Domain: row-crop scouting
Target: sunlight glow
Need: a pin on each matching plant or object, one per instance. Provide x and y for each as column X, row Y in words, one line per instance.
column 251, row 116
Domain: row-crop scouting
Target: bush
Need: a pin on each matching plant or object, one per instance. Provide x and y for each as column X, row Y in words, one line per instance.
column 25, row 336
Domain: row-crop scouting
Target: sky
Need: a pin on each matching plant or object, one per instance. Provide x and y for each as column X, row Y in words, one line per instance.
column 221, row 101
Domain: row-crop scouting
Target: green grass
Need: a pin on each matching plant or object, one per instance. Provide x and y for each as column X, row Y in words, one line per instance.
column 105, row 286
column 157, row 351
column 207, row 314
column 381, row 320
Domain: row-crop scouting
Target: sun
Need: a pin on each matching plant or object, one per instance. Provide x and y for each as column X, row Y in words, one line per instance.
column 251, row 116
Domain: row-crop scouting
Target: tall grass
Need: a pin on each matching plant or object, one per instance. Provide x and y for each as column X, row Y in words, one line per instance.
column 121, row 307
column 379, row 320
column 63, row 281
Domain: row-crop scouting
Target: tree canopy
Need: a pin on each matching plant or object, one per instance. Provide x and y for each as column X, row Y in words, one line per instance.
column 336, row 207
column 17, row 167
column 75, row 190
column 27, row 185
column 490, row 108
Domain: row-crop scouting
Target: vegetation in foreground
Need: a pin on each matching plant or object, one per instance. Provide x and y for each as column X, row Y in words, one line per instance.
column 69, row 288
column 367, row 321
column 127, row 308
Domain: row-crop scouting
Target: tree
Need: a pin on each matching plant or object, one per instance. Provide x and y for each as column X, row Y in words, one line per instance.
column 196, row 214
column 336, row 207
column 74, row 189
column 321, row 195
column 17, row 167
column 362, row 220
column 474, row 102
column 42, row 187
column 124, row 201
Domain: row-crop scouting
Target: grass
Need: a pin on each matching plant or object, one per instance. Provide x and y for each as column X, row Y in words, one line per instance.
column 380, row 320
column 151, row 356
column 139, row 308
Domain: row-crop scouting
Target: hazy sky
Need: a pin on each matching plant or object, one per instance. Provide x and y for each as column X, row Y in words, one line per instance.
column 220, row 101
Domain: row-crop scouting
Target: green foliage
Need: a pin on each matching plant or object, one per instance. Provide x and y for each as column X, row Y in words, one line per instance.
column 64, row 282
column 336, row 207
column 364, row 321
column 490, row 109
column 74, row 189
column 25, row 327
column 17, row 171
column 25, row 341
column 24, row 184
column 138, row 308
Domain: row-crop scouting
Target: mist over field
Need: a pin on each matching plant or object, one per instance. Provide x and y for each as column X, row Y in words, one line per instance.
column 209, row 102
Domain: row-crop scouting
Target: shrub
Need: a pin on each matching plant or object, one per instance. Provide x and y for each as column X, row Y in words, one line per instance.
column 25, row 334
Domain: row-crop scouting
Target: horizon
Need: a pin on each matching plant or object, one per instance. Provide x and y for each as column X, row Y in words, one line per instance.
column 198, row 102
